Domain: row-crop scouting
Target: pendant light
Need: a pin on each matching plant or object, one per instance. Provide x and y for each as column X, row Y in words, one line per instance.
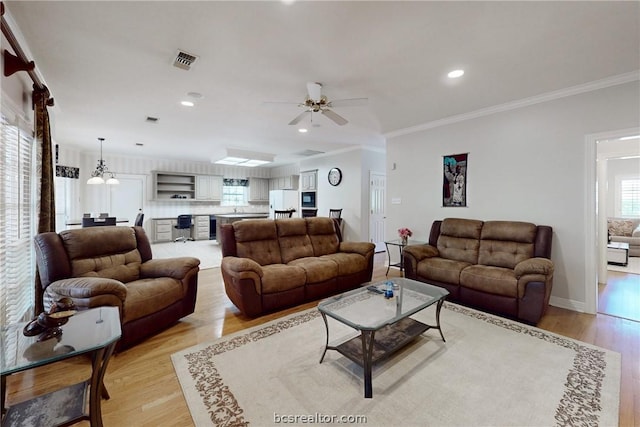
column 97, row 177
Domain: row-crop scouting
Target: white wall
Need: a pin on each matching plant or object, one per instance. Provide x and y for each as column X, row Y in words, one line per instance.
column 352, row 195
column 526, row 164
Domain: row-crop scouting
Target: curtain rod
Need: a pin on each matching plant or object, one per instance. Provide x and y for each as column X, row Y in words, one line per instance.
column 19, row 61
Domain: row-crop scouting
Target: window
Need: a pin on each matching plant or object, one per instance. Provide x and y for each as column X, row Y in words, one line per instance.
column 235, row 192
column 630, row 197
column 17, row 224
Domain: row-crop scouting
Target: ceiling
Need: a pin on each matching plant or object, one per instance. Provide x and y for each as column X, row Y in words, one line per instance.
column 109, row 66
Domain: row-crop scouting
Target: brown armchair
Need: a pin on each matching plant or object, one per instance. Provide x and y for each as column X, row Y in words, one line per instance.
column 113, row 266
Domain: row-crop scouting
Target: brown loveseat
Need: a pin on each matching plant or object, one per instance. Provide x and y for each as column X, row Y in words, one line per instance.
column 502, row 267
column 113, row 266
column 268, row 265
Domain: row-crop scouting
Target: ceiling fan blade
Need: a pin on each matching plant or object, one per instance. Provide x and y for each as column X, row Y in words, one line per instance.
column 353, row 102
column 300, row 117
column 314, row 90
column 341, row 121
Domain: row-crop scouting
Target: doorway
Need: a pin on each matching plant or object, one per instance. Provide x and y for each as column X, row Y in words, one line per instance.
column 616, row 156
column 377, row 194
column 127, row 198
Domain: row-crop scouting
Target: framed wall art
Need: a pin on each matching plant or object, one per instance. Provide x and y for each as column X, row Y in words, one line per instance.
column 454, row 184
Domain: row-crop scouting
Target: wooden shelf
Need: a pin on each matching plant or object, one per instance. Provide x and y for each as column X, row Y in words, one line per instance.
column 174, row 186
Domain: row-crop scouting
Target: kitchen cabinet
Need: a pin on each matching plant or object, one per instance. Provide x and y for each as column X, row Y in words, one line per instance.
column 208, row 187
column 201, row 227
column 173, row 186
column 163, row 230
column 289, row 182
column 308, row 180
column 258, row 190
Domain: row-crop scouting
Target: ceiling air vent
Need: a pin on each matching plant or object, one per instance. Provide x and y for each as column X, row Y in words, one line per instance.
column 184, row 60
column 152, row 119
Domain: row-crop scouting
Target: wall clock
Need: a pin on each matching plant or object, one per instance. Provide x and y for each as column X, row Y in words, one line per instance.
column 335, row 176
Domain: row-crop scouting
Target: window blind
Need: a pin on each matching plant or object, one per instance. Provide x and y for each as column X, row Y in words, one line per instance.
column 630, row 197
column 17, row 225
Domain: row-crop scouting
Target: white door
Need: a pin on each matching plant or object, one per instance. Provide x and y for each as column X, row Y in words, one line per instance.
column 377, row 191
column 127, row 198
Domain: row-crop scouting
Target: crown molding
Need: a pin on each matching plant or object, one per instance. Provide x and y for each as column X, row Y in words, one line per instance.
column 514, row 105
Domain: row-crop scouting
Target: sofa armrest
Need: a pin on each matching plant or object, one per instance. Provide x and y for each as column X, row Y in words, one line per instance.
column 420, row 252
column 88, row 287
column 362, row 248
column 541, row 266
column 237, row 266
column 176, row 268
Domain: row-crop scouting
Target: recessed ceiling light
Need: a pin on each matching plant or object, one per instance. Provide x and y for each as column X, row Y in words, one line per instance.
column 187, row 103
column 455, row 74
column 626, row 138
column 302, row 130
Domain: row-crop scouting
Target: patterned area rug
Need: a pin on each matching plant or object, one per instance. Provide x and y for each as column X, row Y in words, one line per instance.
column 490, row 371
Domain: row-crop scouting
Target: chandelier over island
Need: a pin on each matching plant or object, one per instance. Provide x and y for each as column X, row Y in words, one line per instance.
column 98, row 175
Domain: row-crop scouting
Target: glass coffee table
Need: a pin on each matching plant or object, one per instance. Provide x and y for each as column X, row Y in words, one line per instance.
column 94, row 332
column 384, row 323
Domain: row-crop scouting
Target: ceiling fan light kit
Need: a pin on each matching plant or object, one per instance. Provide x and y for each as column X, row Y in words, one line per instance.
column 316, row 102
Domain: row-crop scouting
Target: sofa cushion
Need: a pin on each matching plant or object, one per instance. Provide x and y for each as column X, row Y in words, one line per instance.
column 489, row 279
column 293, row 239
column 322, row 233
column 148, row 296
column 258, row 240
column 441, row 269
column 459, row 239
column 506, row 243
column 620, row 227
column 281, row 277
column 348, row 263
column 317, row 269
column 109, row 252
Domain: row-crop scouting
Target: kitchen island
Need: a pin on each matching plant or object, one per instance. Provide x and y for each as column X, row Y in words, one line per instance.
column 230, row 218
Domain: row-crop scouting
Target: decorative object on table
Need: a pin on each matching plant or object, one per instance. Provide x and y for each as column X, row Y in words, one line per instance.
column 454, row 185
column 47, row 324
column 335, row 176
column 404, row 233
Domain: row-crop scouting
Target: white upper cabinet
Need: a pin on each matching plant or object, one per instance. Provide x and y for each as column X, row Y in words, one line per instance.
column 209, row 187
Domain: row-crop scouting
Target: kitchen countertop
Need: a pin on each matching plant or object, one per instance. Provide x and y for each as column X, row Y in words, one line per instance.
column 243, row 215
column 229, row 215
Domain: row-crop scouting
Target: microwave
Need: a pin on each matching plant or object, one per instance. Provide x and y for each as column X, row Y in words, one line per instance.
column 308, row 199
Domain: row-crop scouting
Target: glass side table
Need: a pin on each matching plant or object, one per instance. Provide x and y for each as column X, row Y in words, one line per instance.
column 400, row 244
column 94, row 332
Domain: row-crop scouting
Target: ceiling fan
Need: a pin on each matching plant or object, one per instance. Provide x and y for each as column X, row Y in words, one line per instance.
column 316, row 102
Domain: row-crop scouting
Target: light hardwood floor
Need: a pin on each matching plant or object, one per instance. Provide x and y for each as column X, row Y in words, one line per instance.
column 145, row 391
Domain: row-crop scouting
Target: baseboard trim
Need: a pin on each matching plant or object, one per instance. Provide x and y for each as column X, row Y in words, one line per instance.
column 567, row 304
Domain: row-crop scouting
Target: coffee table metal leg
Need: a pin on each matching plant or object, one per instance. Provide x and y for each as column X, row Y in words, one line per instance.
column 438, row 308
column 100, row 361
column 367, row 355
column 326, row 345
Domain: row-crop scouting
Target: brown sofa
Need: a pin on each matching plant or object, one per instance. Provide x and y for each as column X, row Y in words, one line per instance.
column 502, row 267
column 269, row 265
column 113, row 266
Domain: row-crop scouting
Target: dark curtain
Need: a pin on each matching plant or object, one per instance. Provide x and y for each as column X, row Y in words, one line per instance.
column 47, row 213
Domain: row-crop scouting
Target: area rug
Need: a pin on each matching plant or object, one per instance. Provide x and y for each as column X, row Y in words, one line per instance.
column 490, row 371
column 632, row 267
